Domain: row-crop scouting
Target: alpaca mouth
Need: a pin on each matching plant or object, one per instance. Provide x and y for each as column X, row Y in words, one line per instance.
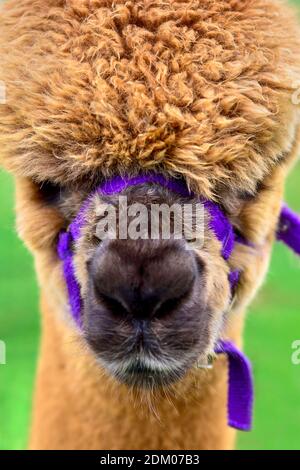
column 147, row 374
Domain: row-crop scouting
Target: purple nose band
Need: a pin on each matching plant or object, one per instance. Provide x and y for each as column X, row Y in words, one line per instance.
column 240, row 382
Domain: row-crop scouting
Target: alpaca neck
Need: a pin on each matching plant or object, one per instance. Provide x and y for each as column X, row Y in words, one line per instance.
column 78, row 406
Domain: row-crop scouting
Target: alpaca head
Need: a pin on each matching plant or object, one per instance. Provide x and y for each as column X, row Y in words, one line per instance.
column 199, row 90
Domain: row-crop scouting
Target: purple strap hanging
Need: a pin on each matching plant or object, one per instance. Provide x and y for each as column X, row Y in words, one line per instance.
column 240, row 386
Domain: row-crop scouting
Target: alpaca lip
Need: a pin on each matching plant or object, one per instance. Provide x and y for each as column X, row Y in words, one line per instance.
column 146, row 372
column 141, row 375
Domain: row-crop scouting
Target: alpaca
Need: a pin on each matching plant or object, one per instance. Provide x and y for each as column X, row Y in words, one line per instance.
column 197, row 89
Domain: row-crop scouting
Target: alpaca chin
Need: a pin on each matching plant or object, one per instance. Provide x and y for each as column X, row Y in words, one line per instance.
column 146, row 373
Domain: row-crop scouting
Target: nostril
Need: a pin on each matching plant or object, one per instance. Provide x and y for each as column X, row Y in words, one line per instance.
column 143, row 307
column 167, row 307
column 114, row 305
column 200, row 265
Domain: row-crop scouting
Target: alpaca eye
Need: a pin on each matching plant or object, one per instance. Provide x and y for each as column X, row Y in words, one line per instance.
column 50, row 192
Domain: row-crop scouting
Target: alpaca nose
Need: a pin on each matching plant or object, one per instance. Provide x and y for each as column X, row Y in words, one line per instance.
column 142, row 279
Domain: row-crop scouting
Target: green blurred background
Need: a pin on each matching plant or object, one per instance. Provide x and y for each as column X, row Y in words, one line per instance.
column 272, row 325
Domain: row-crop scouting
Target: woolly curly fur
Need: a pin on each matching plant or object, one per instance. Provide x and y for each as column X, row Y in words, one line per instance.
column 200, row 88
column 196, row 87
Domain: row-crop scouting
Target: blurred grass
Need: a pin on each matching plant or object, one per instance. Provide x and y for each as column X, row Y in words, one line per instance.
column 271, row 327
column 18, row 326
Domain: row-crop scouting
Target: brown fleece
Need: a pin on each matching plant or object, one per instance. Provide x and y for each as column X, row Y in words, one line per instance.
column 97, row 87
column 196, row 87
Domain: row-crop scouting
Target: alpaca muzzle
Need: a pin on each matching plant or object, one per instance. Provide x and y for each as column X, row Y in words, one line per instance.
column 240, row 375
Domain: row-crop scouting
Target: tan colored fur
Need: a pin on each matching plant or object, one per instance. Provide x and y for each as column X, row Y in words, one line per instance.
column 201, row 88
column 93, row 412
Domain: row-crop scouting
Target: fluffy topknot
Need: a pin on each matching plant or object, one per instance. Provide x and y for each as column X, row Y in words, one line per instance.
column 198, row 87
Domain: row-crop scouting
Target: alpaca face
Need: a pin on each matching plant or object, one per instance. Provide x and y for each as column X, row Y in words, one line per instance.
column 152, row 308
column 197, row 89
column 152, row 305
column 149, row 309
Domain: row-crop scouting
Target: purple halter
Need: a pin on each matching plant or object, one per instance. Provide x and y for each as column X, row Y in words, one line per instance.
column 218, row 223
column 240, row 397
